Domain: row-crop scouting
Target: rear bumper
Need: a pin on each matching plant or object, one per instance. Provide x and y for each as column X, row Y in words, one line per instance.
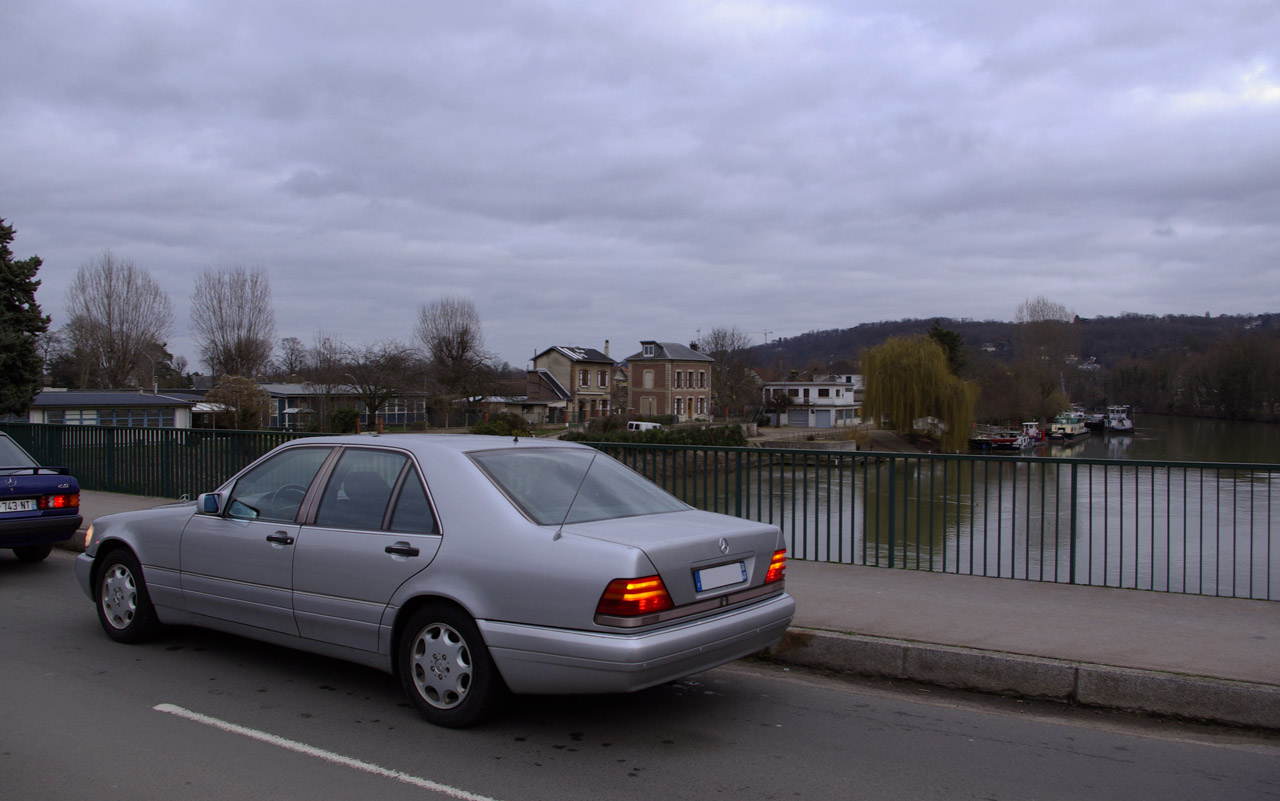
column 37, row 530
column 557, row 661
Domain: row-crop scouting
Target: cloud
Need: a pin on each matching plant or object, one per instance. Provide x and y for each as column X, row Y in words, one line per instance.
column 625, row 171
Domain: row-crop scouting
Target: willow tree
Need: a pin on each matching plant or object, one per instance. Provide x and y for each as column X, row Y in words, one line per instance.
column 908, row 381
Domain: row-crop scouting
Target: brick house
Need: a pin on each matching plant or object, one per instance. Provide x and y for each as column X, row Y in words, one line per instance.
column 580, row 378
column 669, row 378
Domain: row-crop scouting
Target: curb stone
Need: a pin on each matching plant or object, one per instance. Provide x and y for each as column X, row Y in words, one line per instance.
column 1235, row 703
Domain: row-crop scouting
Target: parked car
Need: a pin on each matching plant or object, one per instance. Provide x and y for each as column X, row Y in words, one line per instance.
column 38, row 505
column 468, row 566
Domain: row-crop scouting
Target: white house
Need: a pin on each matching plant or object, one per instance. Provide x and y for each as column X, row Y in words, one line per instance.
column 832, row 403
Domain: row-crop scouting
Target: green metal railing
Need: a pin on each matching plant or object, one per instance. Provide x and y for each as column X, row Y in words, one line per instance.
column 161, row 462
column 1199, row 528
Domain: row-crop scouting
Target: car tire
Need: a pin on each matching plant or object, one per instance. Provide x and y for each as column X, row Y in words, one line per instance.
column 446, row 669
column 32, row 553
column 124, row 606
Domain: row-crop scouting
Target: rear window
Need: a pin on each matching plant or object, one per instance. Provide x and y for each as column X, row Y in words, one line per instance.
column 561, row 485
column 12, row 454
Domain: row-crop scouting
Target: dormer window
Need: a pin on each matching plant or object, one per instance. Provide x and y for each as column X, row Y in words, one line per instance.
column 649, row 351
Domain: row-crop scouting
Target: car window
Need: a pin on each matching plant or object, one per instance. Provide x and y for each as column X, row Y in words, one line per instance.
column 275, row 488
column 555, row 485
column 359, row 489
column 412, row 514
column 12, row 454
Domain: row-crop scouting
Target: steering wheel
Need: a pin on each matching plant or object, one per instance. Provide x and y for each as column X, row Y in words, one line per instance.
column 287, row 499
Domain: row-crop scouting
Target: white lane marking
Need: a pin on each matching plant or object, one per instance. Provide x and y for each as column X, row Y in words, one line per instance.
column 320, row 753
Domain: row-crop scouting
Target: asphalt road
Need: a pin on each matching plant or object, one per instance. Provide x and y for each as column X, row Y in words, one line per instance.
column 201, row 715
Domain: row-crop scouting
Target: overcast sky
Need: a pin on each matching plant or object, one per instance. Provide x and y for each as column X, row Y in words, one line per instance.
column 596, row 170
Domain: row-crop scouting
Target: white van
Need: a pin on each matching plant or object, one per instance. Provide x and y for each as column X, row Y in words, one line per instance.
column 636, row 425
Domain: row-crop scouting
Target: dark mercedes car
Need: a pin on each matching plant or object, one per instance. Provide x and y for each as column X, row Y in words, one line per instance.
column 38, row 505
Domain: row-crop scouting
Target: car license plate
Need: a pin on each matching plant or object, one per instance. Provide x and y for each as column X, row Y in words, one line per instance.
column 712, row 578
column 27, row 505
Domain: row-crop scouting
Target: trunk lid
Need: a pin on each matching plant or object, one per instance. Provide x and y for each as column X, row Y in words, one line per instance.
column 691, row 547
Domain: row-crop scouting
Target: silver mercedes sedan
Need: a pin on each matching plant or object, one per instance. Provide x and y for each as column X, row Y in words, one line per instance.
column 470, row 567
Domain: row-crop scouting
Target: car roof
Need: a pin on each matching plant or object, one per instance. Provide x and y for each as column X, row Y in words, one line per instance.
column 427, row 443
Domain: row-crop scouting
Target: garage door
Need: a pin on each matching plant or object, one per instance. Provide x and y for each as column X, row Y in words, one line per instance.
column 822, row 418
column 798, row 418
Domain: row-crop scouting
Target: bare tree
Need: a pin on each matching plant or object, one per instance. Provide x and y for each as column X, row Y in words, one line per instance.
column 293, row 357
column 244, row 405
column 458, row 365
column 380, row 372
column 1044, row 338
column 116, row 312
column 326, row 371
column 733, row 383
column 232, row 320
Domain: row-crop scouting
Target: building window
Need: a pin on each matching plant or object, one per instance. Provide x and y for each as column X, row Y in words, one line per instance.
column 648, row 379
column 679, row 382
column 128, row 418
column 604, row 407
column 602, row 376
column 793, row 392
column 584, row 378
column 702, row 405
column 679, row 407
column 689, row 380
column 824, row 393
column 648, row 351
column 702, row 379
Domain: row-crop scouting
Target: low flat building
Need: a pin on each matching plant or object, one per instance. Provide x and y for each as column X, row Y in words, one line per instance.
column 131, row 408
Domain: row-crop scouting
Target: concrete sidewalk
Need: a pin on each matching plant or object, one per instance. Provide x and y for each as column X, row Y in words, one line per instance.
column 1188, row 656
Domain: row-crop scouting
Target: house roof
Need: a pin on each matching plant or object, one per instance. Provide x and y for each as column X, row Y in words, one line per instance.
column 553, row 383
column 576, row 354
column 77, row 398
column 669, row 351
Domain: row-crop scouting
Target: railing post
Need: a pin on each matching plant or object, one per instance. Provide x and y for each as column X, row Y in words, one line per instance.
column 1074, row 475
column 893, row 506
column 737, row 484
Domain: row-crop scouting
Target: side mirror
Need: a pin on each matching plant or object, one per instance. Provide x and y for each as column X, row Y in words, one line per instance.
column 209, row 503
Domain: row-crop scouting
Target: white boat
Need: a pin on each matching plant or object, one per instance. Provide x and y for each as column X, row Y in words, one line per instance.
column 1068, row 426
column 1118, row 421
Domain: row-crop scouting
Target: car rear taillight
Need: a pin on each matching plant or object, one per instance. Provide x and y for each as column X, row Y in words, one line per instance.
column 630, row 597
column 777, row 567
column 59, row 501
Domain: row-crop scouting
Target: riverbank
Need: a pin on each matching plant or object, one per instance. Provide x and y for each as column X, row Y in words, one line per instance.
column 869, row 439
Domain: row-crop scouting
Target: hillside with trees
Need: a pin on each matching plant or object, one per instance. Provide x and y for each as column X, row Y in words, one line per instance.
column 1226, row 366
column 1108, row 340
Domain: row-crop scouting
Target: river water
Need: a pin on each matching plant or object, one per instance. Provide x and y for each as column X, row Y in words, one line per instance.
column 1183, row 439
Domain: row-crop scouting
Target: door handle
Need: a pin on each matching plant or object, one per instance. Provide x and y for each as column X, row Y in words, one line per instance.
column 402, row 549
column 280, row 538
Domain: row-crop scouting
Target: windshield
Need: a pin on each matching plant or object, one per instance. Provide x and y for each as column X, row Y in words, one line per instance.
column 12, row 455
column 544, row 483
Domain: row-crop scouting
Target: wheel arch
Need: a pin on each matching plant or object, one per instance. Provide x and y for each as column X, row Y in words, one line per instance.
column 410, row 608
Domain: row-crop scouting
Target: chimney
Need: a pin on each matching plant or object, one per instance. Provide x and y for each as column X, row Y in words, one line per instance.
column 606, row 347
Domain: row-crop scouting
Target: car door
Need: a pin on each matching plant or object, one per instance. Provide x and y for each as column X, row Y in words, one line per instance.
column 238, row 565
column 373, row 529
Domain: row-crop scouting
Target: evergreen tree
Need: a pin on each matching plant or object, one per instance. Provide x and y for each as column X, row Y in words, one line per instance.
column 952, row 343
column 21, row 324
